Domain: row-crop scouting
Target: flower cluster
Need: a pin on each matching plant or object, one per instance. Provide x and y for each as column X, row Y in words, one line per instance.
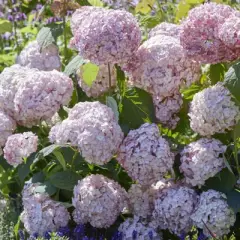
column 40, row 213
column 7, row 126
column 166, row 109
column 145, row 155
column 213, row 111
column 166, row 29
column 172, row 210
column 204, row 37
column 201, row 160
column 98, row 200
column 105, row 36
column 160, row 67
column 92, row 127
column 133, row 228
column 19, row 146
column 46, row 59
column 30, row 95
column 213, row 212
column 101, row 84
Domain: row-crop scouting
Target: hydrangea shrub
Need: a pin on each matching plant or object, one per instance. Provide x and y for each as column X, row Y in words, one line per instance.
column 120, row 119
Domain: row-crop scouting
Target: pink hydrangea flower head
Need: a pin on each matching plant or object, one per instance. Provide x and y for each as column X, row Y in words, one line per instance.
column 213, row 111
column 98, row 200
column 40, row 96
column 160, row 67
column 106, row 36
column 93, row 128
column 7, row 126
column 19, row 146
column 197, row 155
column 46, row 59
column 229, row 32
column 200, row 34
column 145, row 155
column 41, row 213
column 213, row 211
column 166, row 29
column 166, row 109
column 172, row 210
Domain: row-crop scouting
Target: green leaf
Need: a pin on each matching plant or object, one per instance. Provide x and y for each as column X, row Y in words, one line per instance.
column 121, row 80
column 227, row 164
column 222, row 182
column 65, row 180
column 217, row 72
column 60, row 158
column 74, row 65
column 24, row 168
column 232, row 80
column 191, row 91
column 111, row 102
column 83, row 2
column 137, row 108
column 151, row 21
column 37, row 177
column 46, row 187
column 17, row 227
column 62, row 113
column 5, row 26
column 144, row 6
column 89, row 73
column 233, row 199
column 48, row 35
column 96, row 3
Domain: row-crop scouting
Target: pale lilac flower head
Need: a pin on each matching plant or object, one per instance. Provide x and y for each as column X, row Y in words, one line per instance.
column 213, row 211
column 166, row 109
column 134, row 228
column 101, row 83
column 19, row 146
column 7, row 126
column 213, row 111
column 166, row 29
column 98, row 200
column 40, row 96
column 172, row 210
column 201, row 160
column 93, row 128
column 229, row 32
column 41, row 213
column 145, row 155
column 45, row 59
column 106, row 36
column 160, row 67
column 200, row 34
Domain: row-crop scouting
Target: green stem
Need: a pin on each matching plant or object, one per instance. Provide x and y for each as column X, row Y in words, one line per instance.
column 15, row 36
column 73, row 159
column 236, row 155
column 65, row 39
column 109, row 76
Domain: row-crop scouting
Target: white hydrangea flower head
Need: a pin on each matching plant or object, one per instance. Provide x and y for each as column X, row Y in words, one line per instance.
column 172, row 210
column 200, row 34
column 46, row 59
column 7, row 126
column 105, row 35
column 166, row 109
column 41, row 214
column 229, row 32
column 166, row 29
column 201, row 160
column 133, row 228
column 141, row 198
column 145, row 155
column 101, row 83
column 98, row 200
column 40, row 96
column 213, row 211
column 93, row 128
column 213, row 111
column 160, row 67
column 19, row 146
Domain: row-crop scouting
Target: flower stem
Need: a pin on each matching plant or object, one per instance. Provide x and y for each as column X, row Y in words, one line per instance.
column 65, row 39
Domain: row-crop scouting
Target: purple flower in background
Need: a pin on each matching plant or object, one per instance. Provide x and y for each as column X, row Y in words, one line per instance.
column 39, row 7
column 64, row 232
column 117, row 236
column 53, row 20
column 47, row 235
column 21, row 234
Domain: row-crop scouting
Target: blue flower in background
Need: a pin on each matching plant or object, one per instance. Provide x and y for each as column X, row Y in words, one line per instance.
column 47, row 235
column 150, row 234
column 64, row 232
column 134, row 234
column 21, row 234
column 117, row 236
column 201, row 236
